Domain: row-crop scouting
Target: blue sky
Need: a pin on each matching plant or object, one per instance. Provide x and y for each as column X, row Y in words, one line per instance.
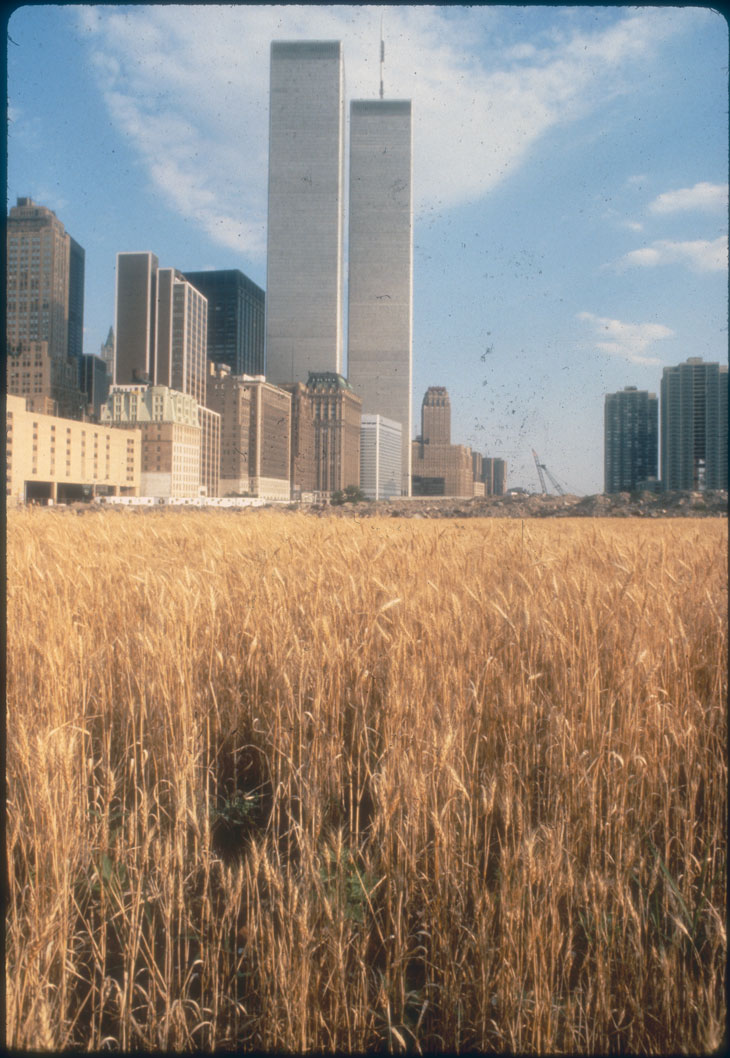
column 570, row 183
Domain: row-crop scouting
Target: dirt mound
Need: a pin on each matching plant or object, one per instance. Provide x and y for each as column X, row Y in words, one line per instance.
column 617, row 505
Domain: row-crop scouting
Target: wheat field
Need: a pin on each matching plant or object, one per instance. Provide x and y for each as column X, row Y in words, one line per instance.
column 280, row 782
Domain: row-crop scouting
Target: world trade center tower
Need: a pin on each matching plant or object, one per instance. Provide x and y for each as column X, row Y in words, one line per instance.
column 305, row 222
column 380, row 300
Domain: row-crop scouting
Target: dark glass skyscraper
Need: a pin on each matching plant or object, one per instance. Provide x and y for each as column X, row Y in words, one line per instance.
column 631, row 435
column 236, row 319
column 694, row 425
column 76, row 269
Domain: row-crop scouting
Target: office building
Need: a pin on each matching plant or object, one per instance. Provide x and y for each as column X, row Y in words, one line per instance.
column 236, row 319
column 161, row 340
column 49, row 383
column 380, row 457
column 477, row 473
column 631, row 439
column 182, row 328
column 54, row 458
column 169, row 423
column 76, row 272
column 436, row 416
column 694, row 433
column 45, row 281
column 210, row 451
column 305, row 218
column 438, row 467
column 93, row 382
column 255, row 418
column 380, row 290
column 499, row 477
column 494, row 476
column 302, row 465
column 337, row 412
column 135, row 325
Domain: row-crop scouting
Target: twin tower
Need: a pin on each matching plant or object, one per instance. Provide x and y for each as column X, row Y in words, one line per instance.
column 305, row 269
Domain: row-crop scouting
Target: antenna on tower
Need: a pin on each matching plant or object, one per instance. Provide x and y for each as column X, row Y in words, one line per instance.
column 382, row 56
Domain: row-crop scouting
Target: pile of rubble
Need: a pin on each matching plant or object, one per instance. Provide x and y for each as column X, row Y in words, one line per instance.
column 519, row 505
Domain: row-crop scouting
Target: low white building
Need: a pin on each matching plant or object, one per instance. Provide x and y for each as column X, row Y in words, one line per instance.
column 380, row 457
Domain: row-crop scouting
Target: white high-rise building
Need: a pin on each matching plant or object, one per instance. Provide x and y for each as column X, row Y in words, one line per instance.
column 305, row 221
column 380, row 457
column 182, row 334
column 380, row 314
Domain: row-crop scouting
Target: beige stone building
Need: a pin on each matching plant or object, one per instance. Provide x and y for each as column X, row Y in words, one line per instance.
column 52, row 458
column 440, row 468
column 337, row 420
column 45, row 281
column 171, row 437
column 303, row 467
column 255, row 434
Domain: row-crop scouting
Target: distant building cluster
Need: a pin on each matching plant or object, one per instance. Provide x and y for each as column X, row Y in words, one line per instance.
column 694, row 432
column 443, row 469
column 208, row 387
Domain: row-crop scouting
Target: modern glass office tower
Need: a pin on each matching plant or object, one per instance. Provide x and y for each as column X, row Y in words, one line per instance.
column 694, row 425
column 305, row 222
column 236, row 319
column 380, row 295
column 631, row 440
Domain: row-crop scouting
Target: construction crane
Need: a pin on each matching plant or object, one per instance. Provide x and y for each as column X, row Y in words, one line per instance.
column 541, row 471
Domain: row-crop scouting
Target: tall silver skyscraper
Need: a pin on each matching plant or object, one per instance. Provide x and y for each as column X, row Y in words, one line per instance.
column 380, row 313
column 305, row 223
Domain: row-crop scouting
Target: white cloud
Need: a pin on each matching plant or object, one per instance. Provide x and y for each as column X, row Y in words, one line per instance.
column 702, row 196
column 701, row 255
column 188, row 86
column 629, row 341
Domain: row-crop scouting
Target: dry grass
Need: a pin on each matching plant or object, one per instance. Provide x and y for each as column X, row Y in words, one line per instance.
column 277, row 782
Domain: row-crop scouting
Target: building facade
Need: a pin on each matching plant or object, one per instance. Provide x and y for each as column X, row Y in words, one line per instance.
column 436, row 416
column 50, row 383
column 106, row 352
column 182, row 328
column 337, row 411
column 631, row 440
column 302, row 466
column 93, row 383
column 380, row 289
column 439, row 468
column 499, row 477
column 694, row 431
column 236, row 319
column 305, row 214
column 135, row 324
column 494, row 476
column 45, row 281
column 210, row 451
column 76, row 273
column 255, row 416
column 59, row 459
column 380, row 457
column 161, row 340
column 169, row 424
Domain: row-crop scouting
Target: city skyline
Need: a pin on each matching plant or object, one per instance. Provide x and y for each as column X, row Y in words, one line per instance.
column 569, row 184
